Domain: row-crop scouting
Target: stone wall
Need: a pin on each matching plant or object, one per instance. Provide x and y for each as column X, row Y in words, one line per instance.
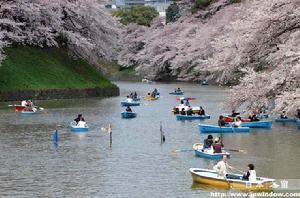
column 58, row 94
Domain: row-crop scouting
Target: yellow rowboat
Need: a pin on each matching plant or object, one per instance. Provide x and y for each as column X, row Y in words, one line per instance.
column 150, row 98
column 211, row 178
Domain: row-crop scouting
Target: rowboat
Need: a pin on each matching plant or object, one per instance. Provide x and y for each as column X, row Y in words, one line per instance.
column 29, row 112
column 149, row 98
column 231, row 119
column 262, row 115
column 128, row 115
column 192, row 117
column 211, row 178
column 127, row 104
column 204, row 82
column 257, row 124
column 208, row 152
column 75, row 128
column 206, row 128
column 176, row 93
column 298, row 123
column 287, row 120
column 19, row 107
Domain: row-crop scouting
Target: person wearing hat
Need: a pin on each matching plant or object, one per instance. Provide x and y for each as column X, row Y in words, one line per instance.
column 208, row 141
column 217, row 145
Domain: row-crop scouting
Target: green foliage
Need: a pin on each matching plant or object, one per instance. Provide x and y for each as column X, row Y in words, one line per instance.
column 51, row 68
column 172, row 13
column 141, row 15
column 234, row 1
column 201, row 4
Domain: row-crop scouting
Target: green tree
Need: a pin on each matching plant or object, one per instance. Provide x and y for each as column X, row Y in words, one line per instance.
column 172, row 13
column 141, row 15
column 201, row 4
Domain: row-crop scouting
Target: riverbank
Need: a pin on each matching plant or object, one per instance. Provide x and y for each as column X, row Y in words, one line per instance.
column 36, row 73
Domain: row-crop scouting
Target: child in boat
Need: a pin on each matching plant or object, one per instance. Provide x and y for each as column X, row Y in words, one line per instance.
column 251, row 174
column 201, row 111
column 128, row 109
column 283, row 115
column 217, row 145
column 238, row 122
column 221, row 121
column 222, row 166
column 208, row 142
column 78, row 118
column 81, row 123
column 189, row 111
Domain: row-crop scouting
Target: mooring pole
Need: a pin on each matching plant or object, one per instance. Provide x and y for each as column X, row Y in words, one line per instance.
column 110, row 135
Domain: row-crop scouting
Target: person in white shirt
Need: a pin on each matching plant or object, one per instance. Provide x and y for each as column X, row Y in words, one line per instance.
column 24, row 103
column 129, row 99
column 251, row 174
column 222, row 167
column 81, row 123
column 238, row 122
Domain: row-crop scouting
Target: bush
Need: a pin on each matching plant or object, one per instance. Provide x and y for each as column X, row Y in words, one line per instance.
column 234, row 1
column 172, row 13
column 141, row 15
column 201, row 4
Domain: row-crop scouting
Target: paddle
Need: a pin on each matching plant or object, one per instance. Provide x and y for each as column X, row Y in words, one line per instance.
column 236, row 150
column 182, row 150
column 11, row 105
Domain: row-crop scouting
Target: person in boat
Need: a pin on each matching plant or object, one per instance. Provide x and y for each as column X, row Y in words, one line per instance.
column 24, row 103
column 251, row 174
column 135, row 95
column 182, row 112
column 221, row 121
column 217, row 145
column 129, row 100
column 128, row 109
column 201, row 111
column 187, row 103
column 238, row 122
column 234, row 114
column 253, row 117
column 176, row 110
column 189, row 111
column 178, row 90
column 222, row 167
column 283, row 115
column 208, row 142
column 298, row 113
column 79, row 117
column 81, row 123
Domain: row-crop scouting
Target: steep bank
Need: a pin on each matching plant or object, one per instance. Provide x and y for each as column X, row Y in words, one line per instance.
column 46, row 73
column 252, row 42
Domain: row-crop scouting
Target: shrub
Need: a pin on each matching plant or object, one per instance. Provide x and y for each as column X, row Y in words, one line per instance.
column 172, row 13
column 141, row 15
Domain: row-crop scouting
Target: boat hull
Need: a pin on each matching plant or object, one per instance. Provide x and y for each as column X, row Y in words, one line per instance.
column 205, row 128
column 28, row 112
column 288, row 120
column 298, row 123
column 150, row 98
column 257, row 124
column 127, row 115
column 209, row 177
column 19, row 108
column 126, row 104
column 262, row 115
column 77, row 129
column 199, row 152
column 177, row 93
column 192, row 117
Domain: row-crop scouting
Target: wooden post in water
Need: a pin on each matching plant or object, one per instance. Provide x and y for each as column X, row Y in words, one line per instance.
column 110, row 135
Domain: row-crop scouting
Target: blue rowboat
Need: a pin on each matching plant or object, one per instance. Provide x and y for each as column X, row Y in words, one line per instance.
column 28, row 112
column 192, row 117
column 128, row 115
column 257, row 124
column 79, row 129
column 206, row 128
column 298, row 123
column 262, row 115
column 288, row 120
column 127, row 104
column 176, row 93
column 208, row 153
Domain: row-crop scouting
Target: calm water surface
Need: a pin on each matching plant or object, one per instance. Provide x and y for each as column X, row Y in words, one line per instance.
column 137, row 165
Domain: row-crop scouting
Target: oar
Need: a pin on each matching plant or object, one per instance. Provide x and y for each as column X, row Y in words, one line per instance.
column 11, row 105
column 182, row 150
column 236, row 150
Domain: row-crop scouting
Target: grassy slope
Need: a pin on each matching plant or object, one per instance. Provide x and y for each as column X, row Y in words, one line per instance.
column 52, row 68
